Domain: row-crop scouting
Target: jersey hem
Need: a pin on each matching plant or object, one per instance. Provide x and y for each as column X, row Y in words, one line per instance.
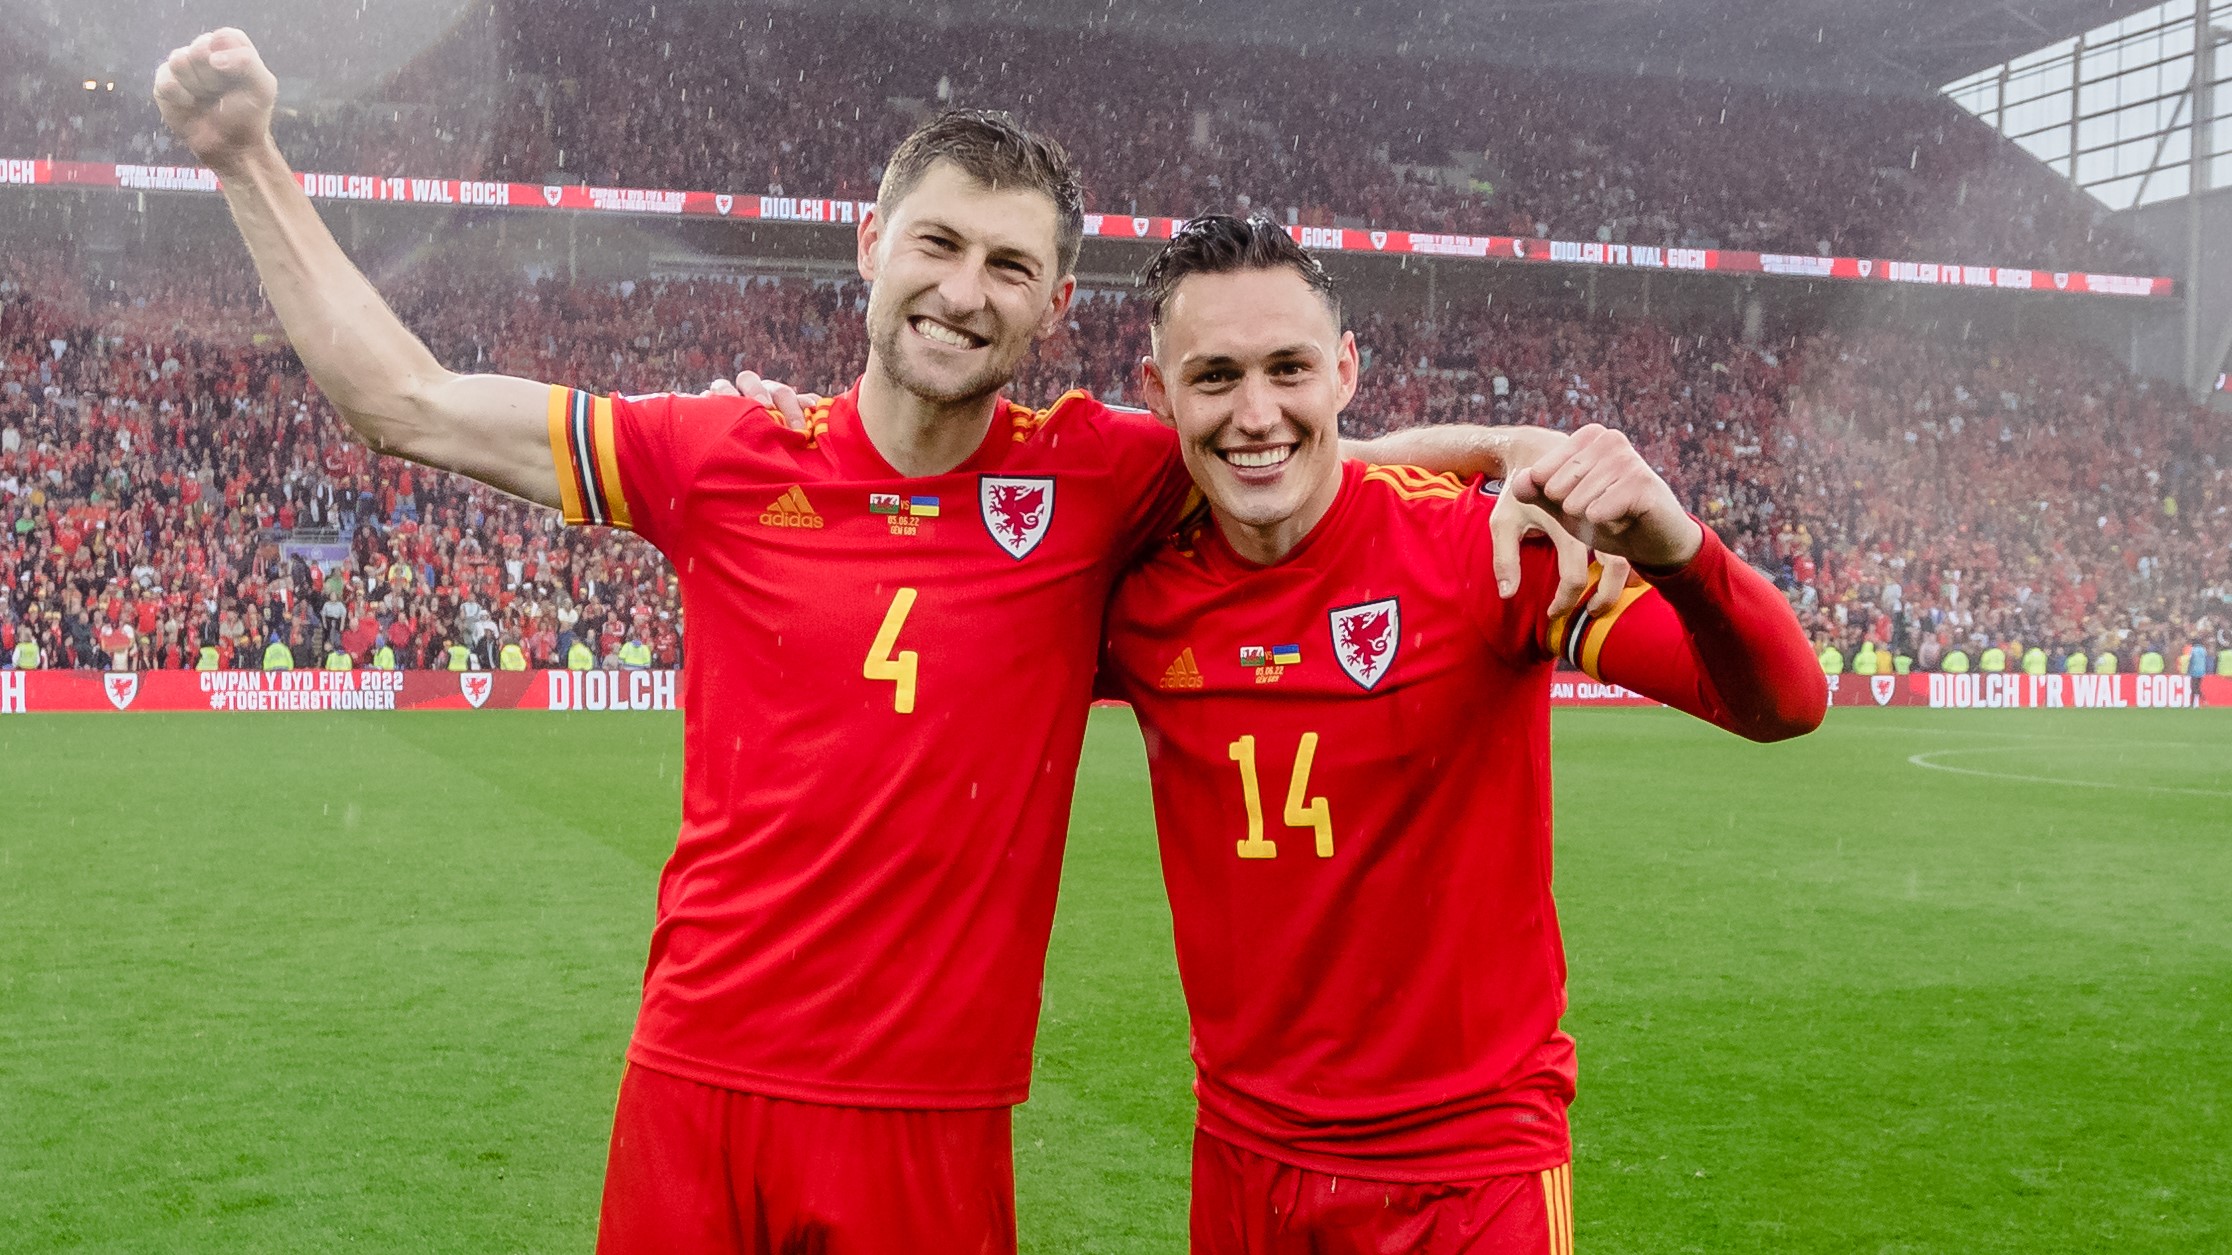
column 1394, row 1170
column 828, row 1094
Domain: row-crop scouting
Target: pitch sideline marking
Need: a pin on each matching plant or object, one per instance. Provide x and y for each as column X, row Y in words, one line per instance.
column 1922, row 760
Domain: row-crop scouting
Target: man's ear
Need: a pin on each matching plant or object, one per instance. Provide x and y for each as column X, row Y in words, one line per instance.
column 1155, row 391
column 865, row 239
column 1347, row 365
column 1065, row 291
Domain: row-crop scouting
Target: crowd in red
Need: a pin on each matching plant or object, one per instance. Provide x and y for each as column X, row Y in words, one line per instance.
column 788, row 101
column 170, row 481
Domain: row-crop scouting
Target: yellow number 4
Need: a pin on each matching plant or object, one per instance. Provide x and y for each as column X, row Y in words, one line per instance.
column 1315, row 814
column 882, row 664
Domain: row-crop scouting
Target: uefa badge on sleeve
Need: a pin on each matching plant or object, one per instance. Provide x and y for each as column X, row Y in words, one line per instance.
column 1365, row 638
column 1017, row 510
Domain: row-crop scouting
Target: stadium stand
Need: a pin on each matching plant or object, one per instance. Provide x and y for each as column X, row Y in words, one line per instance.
column 169, row 479
column 803, row 104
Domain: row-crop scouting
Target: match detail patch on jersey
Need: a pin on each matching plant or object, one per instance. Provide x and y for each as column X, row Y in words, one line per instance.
column 1365, row 638
column 587, row 460
column 1017, row 510
column 791, row 510
column 1182, row 673
column 904, row 514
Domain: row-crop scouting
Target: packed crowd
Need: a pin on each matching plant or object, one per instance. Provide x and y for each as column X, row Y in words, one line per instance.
column 788, row 101
column 170, row 483
column 1918, row 497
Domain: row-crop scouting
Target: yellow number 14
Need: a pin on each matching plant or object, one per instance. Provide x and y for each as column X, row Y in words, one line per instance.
column 1315, row 814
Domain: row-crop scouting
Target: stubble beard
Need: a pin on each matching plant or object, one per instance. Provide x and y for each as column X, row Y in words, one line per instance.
column 890, row 355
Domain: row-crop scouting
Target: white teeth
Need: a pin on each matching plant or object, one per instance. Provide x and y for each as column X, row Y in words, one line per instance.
column 1256, row 459
column 943, row 334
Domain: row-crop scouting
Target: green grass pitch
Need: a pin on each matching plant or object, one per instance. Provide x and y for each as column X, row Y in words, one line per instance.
column 294, row 983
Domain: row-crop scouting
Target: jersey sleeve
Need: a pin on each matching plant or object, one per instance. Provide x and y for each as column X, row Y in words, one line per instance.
column 631, row 461
column 1714, row 639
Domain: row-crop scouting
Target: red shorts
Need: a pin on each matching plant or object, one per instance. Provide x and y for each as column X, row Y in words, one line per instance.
column 699, row 1170
column 1246, row 1204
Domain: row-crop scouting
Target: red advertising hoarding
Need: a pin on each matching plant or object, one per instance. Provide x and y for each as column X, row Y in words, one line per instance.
column 489, row 194
column 256, row 692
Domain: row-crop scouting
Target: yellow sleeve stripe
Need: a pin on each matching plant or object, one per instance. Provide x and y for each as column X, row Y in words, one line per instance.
column 1595, row 633
column 608, row 465
column 587, row 458
column 561, row 455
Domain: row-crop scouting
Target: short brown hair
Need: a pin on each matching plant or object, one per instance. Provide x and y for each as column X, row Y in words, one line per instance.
column 1219, row 244
column 994, row 149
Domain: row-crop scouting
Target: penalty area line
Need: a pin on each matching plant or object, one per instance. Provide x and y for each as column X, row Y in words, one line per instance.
column 1923, row 761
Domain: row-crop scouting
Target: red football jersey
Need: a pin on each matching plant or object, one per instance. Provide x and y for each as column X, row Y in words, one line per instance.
column 884, row 698
column 1350, row 753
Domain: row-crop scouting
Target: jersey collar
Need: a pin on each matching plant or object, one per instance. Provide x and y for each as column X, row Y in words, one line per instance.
column 857, row 455
column 1226, row 561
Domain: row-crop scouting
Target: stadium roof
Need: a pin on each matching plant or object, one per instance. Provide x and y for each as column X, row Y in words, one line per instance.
column 1885, row 45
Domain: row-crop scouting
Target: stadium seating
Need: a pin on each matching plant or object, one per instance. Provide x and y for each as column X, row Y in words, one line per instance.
column 167, row 473
column 805, row 104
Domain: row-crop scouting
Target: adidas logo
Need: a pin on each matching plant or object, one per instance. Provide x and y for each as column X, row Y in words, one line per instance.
column 1183, row 672
column 791, row 510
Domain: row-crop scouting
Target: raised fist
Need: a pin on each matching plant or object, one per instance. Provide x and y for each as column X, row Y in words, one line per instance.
column 217, row 96
column 1599, row 489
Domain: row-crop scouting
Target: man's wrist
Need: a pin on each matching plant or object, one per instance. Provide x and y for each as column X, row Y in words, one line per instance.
column 250, row 164
column 1516, row 447
column 1677, row 558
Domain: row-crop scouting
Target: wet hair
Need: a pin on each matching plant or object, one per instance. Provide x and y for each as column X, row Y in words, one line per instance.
column 997, row 152
column 1221, row 244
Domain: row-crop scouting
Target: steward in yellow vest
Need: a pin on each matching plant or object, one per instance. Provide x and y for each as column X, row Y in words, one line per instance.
column 1955, row 662
column 27, row 654
column 1994, row 660
column 383, row 658
column 2034, row 661
column 460, row 658
column 511, row 657
column 635, row 655
column 2104, row 663
column 206, row 660
column 1865, row 662
column 2076, row 664
column 339, row 660
column 580, row 657
column 277, row 657
column 2150, row 663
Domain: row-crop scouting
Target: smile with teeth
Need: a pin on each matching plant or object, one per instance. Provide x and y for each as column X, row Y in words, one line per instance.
column 1257, row 459
column 939, row 333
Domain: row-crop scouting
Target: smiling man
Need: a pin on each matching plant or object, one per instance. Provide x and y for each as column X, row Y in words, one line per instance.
column 1347, row 730
column 894, row 619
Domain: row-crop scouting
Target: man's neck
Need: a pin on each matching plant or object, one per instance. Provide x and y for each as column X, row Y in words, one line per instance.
column 920, row 437
column 1270, row 543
